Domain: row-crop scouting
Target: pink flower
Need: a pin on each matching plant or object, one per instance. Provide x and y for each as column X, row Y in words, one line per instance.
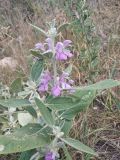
column 44, row 82
column 40, row 46
column 56, row 91
column 43, row 47
column 63, row 83
column 67, row 43
column 61, row 52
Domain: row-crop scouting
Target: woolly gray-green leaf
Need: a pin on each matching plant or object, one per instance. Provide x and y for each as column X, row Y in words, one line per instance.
column 47, row 116
column 105, row 84
column 39, row 29
column 16, row 86
column 79, row 146
column 14, row 143
column 37, row 70
column 15, row 103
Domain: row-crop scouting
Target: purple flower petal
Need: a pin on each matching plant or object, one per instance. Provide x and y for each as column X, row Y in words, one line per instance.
column 56, row 91
column 54, row 156
column 39, row 46
column 65, row 82
column 71, row 81
column 66, row 85
column 64, row 76
column 43, row 87
column 61, row 56
column 68, row 53
column 61, row 52
column 67, row 43
column 48, row 156
column 59, row 47
column 47, row 76
column 49, row 43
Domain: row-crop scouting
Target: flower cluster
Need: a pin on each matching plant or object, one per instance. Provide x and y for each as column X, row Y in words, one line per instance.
column 61, row 49
column 63, row 81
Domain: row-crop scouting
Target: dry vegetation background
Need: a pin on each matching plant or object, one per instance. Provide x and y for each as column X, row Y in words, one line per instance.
column 99, row 127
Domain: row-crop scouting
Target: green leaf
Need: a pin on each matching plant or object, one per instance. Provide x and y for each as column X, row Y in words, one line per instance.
column 61, row 103
column 36, row 70
column 32, row 111
column 105, row 84
column 27, row 155
column 40, row 55
column 79, row 146
column 15, row 103
column 39, row 29
column 24, row 93
column 84, row 94
column 64, row 103
column 14, row 143
column 16, row 86
column 66, row 127
column 69, row 114
column 47, row 116
column 29, row 129
column 83, row 103
column 36, row 53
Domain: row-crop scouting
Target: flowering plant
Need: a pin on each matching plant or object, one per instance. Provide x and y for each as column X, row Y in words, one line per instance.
column 40, row 111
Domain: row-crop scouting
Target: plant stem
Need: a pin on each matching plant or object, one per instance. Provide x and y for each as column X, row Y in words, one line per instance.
column 54, row 61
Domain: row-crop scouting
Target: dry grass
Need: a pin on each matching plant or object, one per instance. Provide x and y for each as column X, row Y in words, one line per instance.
column 106, row 17
column 100, row 126
column 18, row 37
column 16, row 45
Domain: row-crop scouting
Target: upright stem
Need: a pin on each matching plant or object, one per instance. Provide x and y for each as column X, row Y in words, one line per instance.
column 54, row 61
